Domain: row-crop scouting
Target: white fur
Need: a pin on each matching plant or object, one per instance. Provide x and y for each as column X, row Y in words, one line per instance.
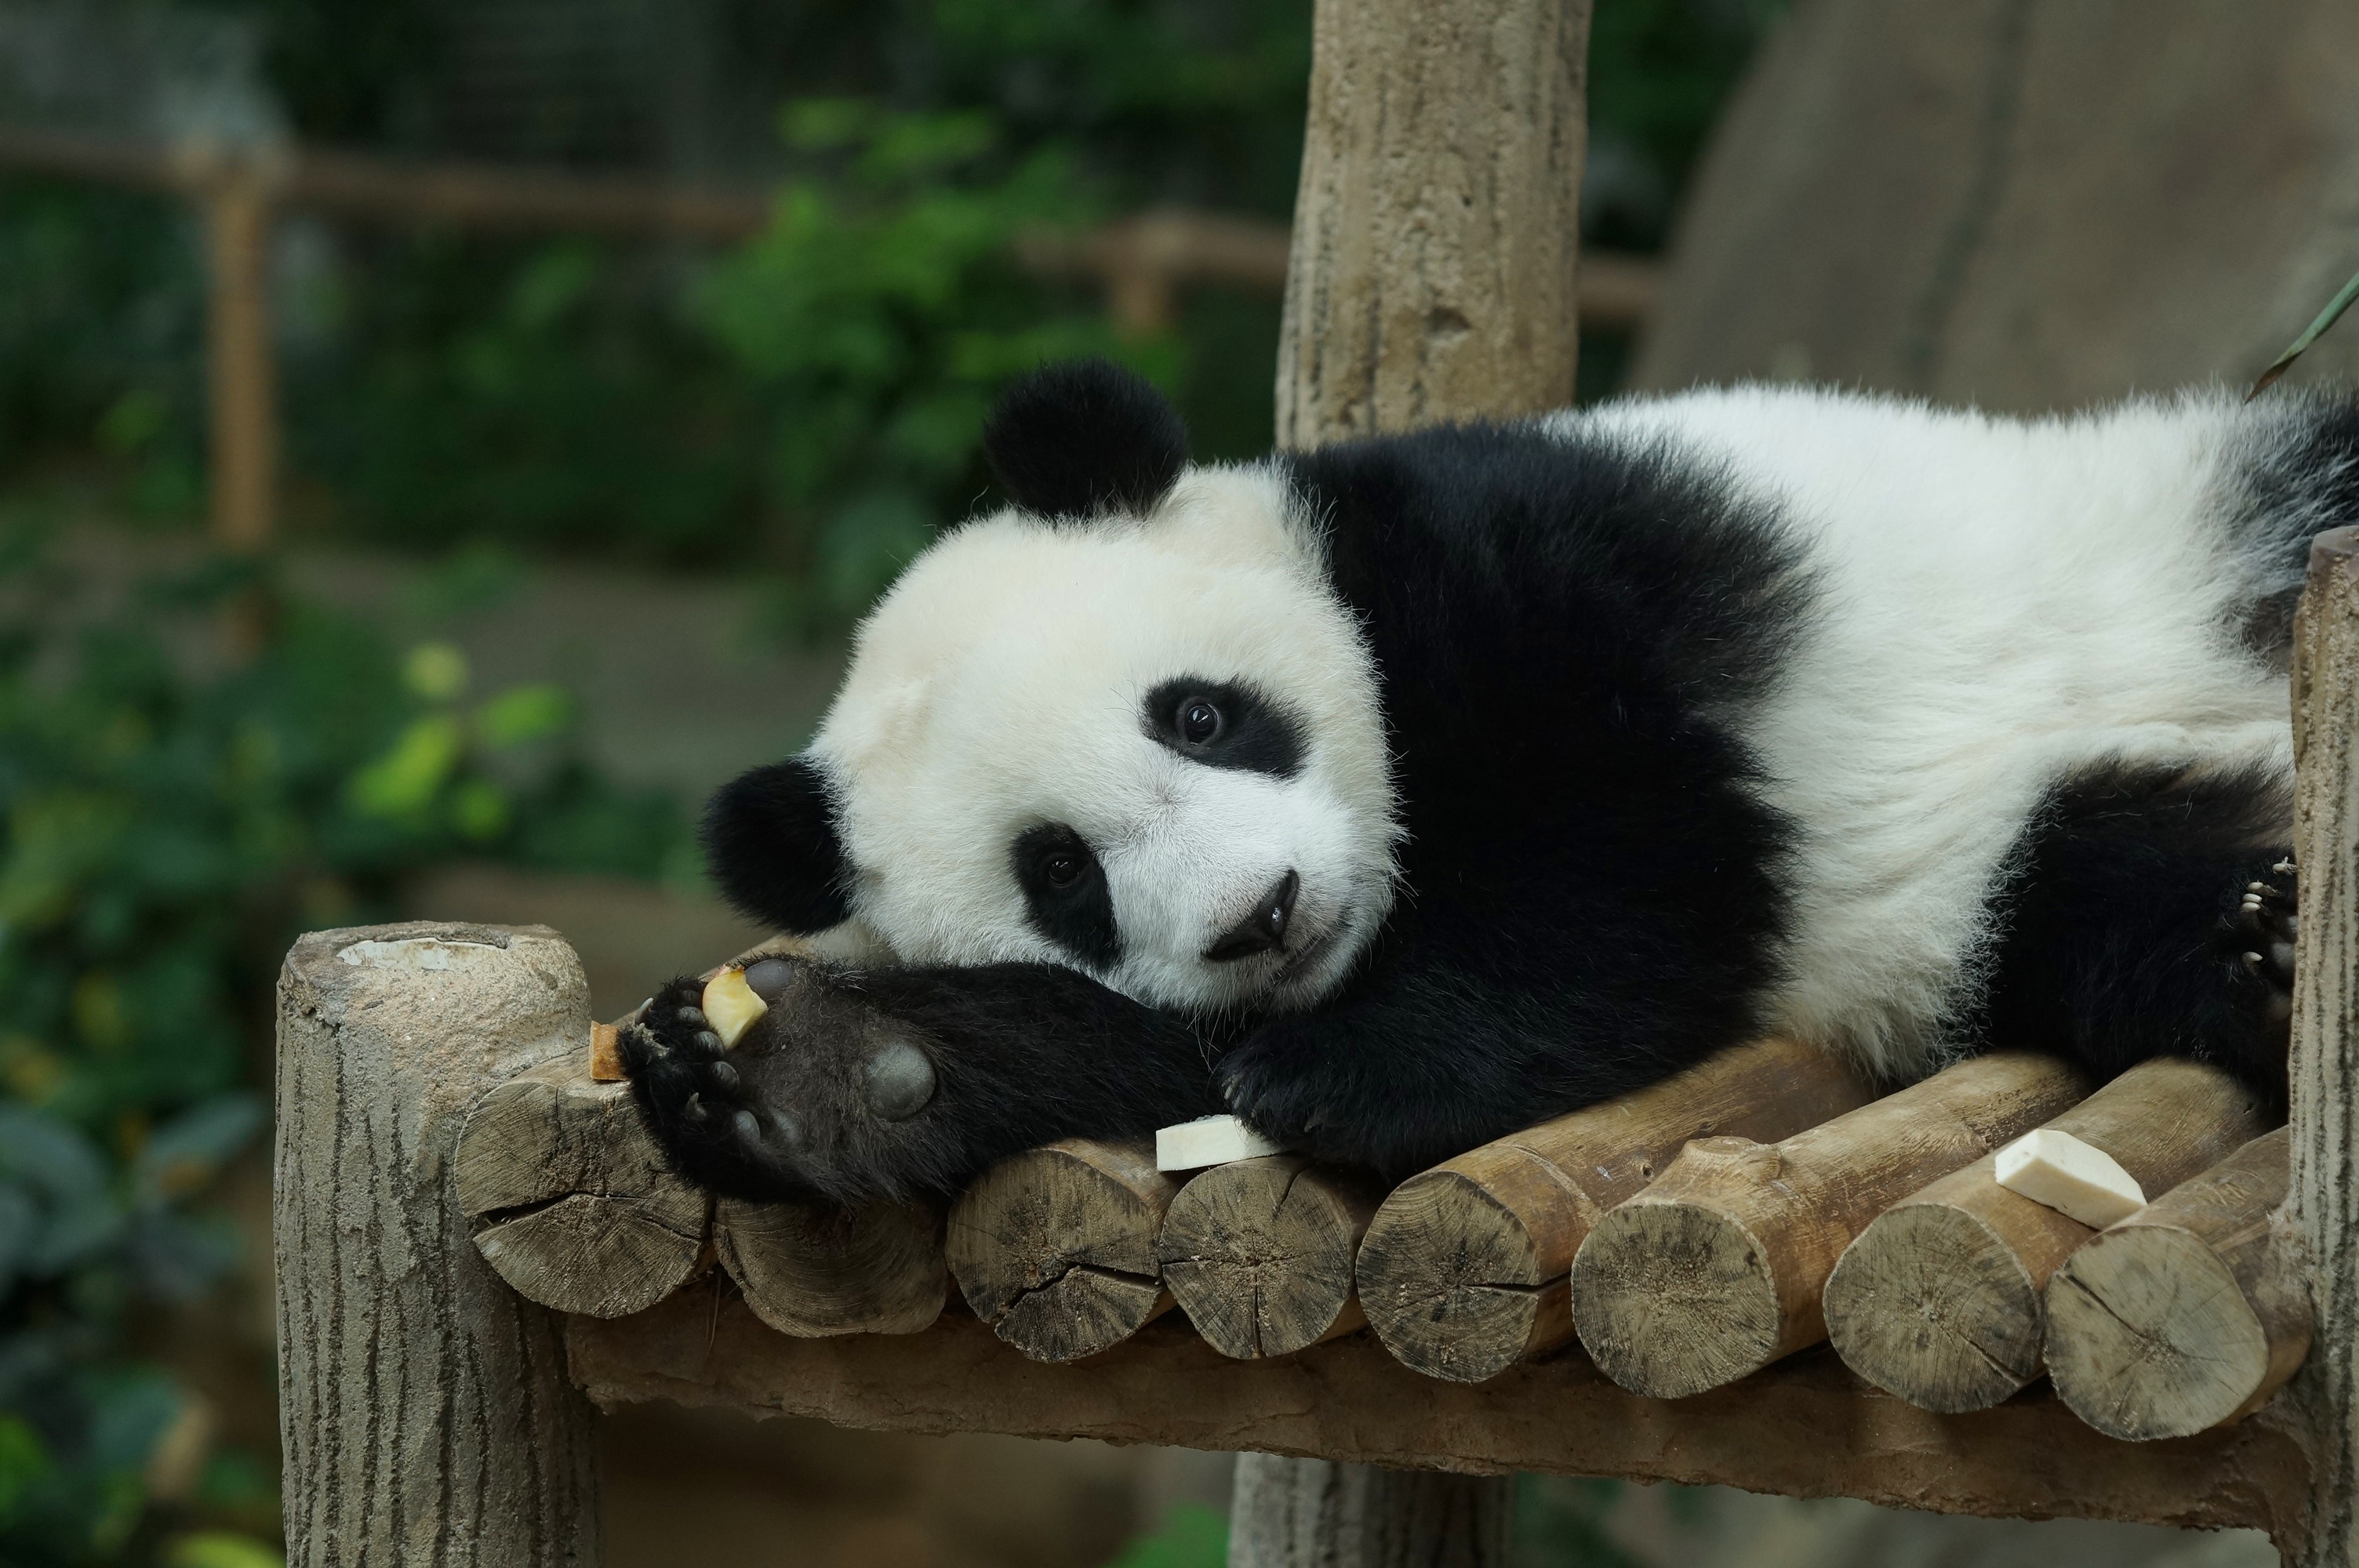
column 2006, row 600
column 1000, row 685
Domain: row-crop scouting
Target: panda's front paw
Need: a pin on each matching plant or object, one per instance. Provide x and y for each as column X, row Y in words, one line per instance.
column 714, row 1126
column 1267, row 1082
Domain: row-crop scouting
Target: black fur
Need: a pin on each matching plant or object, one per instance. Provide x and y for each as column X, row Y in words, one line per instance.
column 2122, row 935
column 1594, row 895
column 770, row 838
column 784, row 1113
column 1248, row 731
column 1065, row 892
column 1085, row 437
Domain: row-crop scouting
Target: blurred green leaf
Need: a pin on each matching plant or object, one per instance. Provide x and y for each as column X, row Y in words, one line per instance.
column 524, row 713
column 218, row 1548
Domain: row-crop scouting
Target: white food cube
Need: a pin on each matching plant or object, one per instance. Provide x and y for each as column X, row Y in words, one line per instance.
column 2073, row 1178
column 1209, row 1140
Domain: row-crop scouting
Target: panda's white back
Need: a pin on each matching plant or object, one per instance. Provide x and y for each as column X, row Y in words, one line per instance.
column 2005, row 602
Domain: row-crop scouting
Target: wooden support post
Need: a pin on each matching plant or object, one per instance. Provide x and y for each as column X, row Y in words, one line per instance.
column 2185, row 1314
column 1432, row 276
column 1939, row 1300
column 2322, row 1200
column 424, row 1407
column 1438, row 224
column 1259, row 1253
column 240, row 374
column 1715, row 1270
column 573, row 1201
column 1055, row 1249
column 1315, row 1513
column 1463, row 1271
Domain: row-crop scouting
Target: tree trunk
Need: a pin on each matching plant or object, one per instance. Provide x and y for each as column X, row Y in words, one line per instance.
column 2323, row 1205
column 1437, row 231
column 1315, row 1513
column 424, row 1405
column 1438, row 224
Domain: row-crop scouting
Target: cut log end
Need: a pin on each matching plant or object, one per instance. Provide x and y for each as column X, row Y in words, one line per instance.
column 811, row 1269
column 1055, row 1249
column 1673, row 1298
column 574, row 1207
column 1452, row 1282
column 1931, row 1304
column 1259, row 1254
column 2153, row 1338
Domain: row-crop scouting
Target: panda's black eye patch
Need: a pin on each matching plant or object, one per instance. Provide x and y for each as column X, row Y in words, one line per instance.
column 1065, row 892
column 1224, row 724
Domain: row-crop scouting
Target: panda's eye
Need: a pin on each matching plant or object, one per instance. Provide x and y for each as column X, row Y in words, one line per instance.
column 1061, row 871
column 1198, row 721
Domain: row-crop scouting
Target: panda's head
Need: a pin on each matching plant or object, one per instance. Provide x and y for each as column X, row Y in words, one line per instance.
column 1124, row 726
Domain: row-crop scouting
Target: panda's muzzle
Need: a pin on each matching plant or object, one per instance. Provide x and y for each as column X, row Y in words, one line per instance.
column 1263, row 930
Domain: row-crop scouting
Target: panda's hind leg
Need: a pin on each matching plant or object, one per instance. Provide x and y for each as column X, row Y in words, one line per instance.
column 2148, row 912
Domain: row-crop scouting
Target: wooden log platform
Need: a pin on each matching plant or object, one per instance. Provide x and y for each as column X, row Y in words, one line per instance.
column 1259, row 1253
column 1809, row 1427
column 1465, row 1270
column 1716, row 1269
column 2186, row 1315
column 1939, row 1300
column 1055, row 1249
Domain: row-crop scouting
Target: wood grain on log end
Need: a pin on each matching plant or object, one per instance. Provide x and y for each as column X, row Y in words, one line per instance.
column 1675, row 1298
column 811, row 1269
column 1732, row 1275
column 1453, row 1279
column 1055, row 1248
column 2183, row 1315
column 1941, row 1299
column 1259, row 1253
column 572, row 1202
column 1932, row 1303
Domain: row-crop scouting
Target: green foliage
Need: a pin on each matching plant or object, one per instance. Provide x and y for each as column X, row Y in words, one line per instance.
column 1190, row 1536
column 164, row 831
column 1560, row 1523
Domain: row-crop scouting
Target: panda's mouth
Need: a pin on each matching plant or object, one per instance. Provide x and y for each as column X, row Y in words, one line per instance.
column 1299, row 962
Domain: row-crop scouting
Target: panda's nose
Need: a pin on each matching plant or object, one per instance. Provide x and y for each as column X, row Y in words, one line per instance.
column 1263, row 931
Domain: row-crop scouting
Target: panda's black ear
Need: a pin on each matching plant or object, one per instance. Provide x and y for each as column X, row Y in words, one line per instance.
column 770, row 843
column 1083, row 437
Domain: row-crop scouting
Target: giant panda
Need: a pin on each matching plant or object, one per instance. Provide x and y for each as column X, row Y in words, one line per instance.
column 1401, row 794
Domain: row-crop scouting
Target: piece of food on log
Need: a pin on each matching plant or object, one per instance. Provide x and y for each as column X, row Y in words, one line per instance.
column 1463, row 1271
column 1715, row 1270
column 814, row 1269
column 1939, row 1300
column 572, row 1202
column 1211, row 1141
column 2185, row 1314
column 1055, row 1248
column 1259, row 1253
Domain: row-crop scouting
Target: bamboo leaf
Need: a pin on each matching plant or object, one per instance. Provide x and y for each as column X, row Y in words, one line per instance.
column 2317, row 329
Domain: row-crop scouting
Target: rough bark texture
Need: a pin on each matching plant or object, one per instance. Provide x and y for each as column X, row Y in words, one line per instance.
column 814, row 1269
column 2185, row 1314
column 1055, row 1249
column 1437, row 222
column 1716, row 1269
column 1988, row 201
column 573, row 1202
column 424, row 1407
column 2324, row 1202
column 1462, row 1271
column 1315, row 1513
column 1805, row 1428
column 1939, row 1299
column 1259, row 1253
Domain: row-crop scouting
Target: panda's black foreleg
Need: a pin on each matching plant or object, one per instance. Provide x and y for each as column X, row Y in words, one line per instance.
column 871, row 1082
column 2148, row 915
